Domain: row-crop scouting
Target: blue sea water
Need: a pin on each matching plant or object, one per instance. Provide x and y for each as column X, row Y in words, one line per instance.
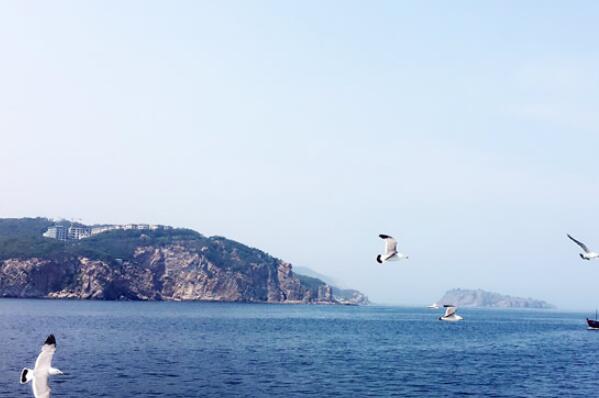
column 168, row 349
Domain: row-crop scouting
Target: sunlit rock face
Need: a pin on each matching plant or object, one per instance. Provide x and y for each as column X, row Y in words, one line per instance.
column 178, row 271
column 149, row 264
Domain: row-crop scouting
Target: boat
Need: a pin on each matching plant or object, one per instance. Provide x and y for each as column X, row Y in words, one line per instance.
column 433, row 306
column 593, row 323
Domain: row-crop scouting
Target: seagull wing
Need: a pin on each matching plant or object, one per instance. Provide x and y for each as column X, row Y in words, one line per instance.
column 449, row 311
column 582, row 245
column 390, row 244
column 41, row 389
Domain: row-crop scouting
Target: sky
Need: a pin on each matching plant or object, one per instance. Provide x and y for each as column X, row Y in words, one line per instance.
column 468, row 130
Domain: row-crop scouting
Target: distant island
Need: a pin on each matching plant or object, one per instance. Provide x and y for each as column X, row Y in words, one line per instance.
column 41, row 258
column 482, row 298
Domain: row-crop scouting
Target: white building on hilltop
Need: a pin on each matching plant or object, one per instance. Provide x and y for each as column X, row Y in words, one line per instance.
column 76, row 233
column 59, row 232
column 62, row 232
column 103, row 228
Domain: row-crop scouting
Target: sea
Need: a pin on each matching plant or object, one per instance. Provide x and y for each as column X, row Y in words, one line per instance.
column 192, row 349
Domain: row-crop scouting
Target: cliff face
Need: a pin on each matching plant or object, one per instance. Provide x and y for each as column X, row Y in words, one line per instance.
column 481, row 298
column 350, row 296
column 147, row 264
column 177, row 271
column 342, row 296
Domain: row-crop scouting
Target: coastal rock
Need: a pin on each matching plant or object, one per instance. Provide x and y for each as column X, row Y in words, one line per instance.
column 341, row 296
column 173, row 272
column 146, row 263
column 350, row 296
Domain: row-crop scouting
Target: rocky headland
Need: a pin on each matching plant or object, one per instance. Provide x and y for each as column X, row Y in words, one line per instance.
column 169, row 264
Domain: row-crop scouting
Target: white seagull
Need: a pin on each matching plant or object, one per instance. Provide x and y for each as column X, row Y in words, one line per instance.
column 588, row 254
column 391, row 253
column 450, row 314
column 43, row 368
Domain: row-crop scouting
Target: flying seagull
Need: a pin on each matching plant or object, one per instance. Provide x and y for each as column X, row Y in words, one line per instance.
column 43, row 368
column 588, row 254
column 450, row 314
column 391, row 253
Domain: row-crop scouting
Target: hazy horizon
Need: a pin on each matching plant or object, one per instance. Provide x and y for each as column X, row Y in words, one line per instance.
column 468, row 131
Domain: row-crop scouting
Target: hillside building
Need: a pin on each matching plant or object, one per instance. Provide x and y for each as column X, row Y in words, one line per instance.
column 76, row 233
column 62, row 232
column 59, row 232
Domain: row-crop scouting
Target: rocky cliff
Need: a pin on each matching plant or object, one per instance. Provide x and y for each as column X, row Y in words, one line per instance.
column 481, row 298
column 342, row 296
column 164, row 265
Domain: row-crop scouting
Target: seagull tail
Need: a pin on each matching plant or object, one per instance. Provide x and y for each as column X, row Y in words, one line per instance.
column 26, row 376
column 378, row 259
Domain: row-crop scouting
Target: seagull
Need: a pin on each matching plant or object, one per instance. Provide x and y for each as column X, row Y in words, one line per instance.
column 391, row 253
column 43, row 368
column 587, row 255
column 450, row 314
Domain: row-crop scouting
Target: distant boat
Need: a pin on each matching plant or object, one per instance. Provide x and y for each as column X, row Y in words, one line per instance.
column 434, row 306
column 593, row 324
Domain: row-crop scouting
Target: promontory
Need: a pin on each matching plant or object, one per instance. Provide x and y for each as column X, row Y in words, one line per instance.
column 42, row 258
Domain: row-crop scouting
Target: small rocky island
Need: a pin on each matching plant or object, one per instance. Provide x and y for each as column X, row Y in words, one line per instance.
column 482, row 298
column 41, row 258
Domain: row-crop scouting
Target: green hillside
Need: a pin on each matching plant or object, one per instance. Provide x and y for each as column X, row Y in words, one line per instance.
column 22, row 238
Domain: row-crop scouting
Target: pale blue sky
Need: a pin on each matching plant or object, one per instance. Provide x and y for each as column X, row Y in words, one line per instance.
column 469, row 130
